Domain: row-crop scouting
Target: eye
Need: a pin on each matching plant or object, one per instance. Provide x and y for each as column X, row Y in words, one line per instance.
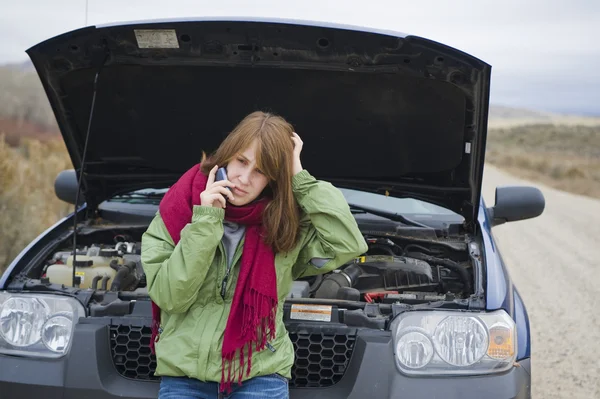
column 242, row 161
column 260, row 171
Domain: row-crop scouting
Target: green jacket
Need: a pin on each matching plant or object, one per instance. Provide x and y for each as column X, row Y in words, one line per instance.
column 184, row 280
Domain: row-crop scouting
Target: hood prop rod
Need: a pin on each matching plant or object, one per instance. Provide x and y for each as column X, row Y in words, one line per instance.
column 81, row 171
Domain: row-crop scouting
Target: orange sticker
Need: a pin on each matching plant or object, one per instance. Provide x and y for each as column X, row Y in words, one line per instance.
column 311, row 312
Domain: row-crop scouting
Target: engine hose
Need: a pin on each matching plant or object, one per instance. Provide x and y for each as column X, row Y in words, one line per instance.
column 105, row 282
column 332, row 283
column 114, row 265
column 422, row 248
column 95, row 280
column 122, row 274
column 353, row 272
column 464, row 275
column 316, row 284
column 125, row 277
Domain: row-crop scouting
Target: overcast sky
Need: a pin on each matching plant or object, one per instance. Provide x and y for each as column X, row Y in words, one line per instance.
column 545, row 55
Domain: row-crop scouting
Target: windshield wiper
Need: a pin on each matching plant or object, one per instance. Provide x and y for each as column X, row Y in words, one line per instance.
column 396, row 217
column 151, row 195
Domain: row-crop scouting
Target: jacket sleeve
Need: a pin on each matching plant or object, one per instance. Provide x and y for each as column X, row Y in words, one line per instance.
column 333, row 237
column 175, row 273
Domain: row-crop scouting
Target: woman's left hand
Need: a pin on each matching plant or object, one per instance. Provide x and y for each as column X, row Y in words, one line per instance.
column 297, row 165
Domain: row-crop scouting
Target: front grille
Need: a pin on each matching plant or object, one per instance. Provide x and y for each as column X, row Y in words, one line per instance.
column 130, row 346
column 321, row 358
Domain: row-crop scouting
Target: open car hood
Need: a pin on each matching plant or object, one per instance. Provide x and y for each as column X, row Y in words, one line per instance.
column 378, row 111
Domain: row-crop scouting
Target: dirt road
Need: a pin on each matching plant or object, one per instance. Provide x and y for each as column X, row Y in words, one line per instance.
column 554, row 261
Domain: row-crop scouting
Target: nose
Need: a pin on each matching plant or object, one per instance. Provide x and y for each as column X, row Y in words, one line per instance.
column 244, row 176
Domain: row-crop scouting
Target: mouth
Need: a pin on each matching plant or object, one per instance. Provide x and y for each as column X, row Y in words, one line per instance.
column 239, row 191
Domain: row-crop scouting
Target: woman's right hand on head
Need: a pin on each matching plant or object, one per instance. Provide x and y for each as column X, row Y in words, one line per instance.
column 215, row 192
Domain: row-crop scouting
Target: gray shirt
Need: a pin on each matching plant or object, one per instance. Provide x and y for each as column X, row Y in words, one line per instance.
column 232, row 235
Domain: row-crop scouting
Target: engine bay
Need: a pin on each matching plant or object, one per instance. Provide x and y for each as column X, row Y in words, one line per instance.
column 396, row 269
column 391, row 272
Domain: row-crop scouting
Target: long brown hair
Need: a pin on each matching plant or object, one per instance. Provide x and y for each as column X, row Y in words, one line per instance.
column 275, row 147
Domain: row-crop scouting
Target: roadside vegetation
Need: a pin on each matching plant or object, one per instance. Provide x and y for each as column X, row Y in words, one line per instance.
column 561, row 156
column 31, row 155
column 28, row 204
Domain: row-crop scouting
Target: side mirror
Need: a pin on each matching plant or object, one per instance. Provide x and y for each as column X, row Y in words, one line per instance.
column 65, row 187
column 516, row 203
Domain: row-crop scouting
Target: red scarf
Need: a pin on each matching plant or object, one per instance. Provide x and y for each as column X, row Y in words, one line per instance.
column 252, row 317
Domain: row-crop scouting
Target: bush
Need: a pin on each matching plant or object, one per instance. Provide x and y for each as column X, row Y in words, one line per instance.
column 28, row 204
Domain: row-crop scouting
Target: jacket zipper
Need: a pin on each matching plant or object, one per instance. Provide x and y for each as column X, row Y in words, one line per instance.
column 236, row 257
column 224, row 282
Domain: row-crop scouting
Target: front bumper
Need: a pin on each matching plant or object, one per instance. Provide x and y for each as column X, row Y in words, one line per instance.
column 373, row 374
column 88, row 372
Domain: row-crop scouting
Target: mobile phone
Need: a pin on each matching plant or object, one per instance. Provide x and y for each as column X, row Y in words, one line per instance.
column 222, row 175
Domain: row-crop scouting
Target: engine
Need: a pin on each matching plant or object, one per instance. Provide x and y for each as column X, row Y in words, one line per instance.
column 98, row 267
column 399, row 270
column 390, row 273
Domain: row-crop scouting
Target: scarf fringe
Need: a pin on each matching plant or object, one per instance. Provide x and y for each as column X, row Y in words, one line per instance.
column 258, row 337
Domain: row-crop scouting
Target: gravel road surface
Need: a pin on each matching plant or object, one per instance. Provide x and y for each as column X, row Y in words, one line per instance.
column 554, row 261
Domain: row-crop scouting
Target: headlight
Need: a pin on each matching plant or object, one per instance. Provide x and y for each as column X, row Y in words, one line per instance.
column 56, row 332
column 414, row 349
column 454, row 343
column 461, row 340
column 21, row 321
column 37, row 325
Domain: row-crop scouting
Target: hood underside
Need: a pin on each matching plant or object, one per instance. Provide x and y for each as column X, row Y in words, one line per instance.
column 377, row 111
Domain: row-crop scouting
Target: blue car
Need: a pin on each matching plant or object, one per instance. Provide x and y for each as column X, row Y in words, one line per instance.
column 397, row 122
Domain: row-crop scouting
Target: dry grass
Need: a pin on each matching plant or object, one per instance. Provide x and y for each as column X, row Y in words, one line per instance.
column 562, row 156
column 556, row 120
column 28, row 204
column 14, row 131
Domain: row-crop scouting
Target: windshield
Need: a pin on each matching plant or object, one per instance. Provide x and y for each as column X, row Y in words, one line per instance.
column 410, row 207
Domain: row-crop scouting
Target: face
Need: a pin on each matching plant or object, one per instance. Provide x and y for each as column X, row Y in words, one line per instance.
column 243, row 172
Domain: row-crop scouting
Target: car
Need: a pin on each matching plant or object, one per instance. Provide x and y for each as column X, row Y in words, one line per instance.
column 397, row 122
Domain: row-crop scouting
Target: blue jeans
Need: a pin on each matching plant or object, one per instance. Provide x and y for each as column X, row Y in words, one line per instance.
column 271, row 386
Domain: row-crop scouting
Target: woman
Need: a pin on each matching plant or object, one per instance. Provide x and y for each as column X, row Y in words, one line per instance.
column 220, row 258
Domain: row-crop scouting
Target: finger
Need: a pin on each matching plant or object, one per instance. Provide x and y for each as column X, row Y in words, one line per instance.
column 216, row 199
column 223, row 183
column 221, row 200
column 224, row 191
column 211, row 175
column 215, row 189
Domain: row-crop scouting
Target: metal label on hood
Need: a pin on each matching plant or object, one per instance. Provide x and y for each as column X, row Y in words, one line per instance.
column 156, row 38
